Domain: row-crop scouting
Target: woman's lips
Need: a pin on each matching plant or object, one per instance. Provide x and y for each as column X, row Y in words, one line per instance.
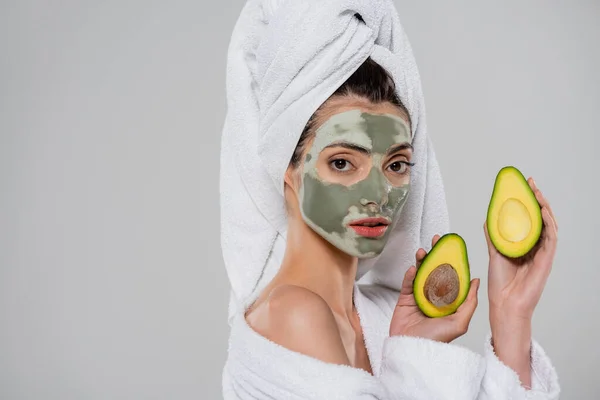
column 369, row 231
column 370, row 227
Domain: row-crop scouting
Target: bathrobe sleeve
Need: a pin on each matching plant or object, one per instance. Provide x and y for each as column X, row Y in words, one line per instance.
column 416, row 368
column 502, row 383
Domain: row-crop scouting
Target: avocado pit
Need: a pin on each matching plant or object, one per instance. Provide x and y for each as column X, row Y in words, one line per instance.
column 441, row 286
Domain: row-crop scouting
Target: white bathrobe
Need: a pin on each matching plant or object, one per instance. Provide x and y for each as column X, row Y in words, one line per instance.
column 407, row 368
column 285, row 58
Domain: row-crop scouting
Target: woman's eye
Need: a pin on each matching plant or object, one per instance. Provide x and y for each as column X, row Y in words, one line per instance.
column 399, row 167
column 341, row 165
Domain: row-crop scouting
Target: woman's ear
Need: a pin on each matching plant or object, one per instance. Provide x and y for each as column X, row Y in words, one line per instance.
column 291, row 189
column 290, row 179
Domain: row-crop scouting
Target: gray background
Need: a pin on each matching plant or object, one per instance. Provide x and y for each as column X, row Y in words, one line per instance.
column 112, row 284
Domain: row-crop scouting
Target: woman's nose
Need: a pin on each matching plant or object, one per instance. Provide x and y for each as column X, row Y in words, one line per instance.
column 376, row 190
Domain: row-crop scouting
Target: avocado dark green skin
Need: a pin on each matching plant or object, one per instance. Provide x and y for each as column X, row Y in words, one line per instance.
column 468, row 271
column 527, row 256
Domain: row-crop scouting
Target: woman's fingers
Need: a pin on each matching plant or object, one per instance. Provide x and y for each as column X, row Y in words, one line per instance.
column 487, row 235
column 434, row 240
column 543, row 202
column 407, row 283
column 421, row 253
column 420, row 256
column 465, row 312
column 531, row 183
column 550, row 223
column 543, row 260
column 491, row 249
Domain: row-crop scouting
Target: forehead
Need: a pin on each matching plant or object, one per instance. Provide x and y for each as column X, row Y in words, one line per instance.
column 376, row 132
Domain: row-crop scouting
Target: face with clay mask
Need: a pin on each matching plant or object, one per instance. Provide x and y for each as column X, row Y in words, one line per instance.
column 355, row 180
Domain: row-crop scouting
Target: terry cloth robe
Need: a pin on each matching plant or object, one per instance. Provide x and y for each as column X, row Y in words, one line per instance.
column 407, row 368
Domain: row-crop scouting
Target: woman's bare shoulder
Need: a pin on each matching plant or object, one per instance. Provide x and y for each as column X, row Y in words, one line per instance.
column 300, row 320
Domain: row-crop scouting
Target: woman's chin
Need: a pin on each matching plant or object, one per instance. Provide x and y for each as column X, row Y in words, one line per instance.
column 367, row 256
column 367, row 248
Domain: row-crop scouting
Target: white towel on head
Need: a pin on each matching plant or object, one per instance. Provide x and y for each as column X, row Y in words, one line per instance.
column 285, row 58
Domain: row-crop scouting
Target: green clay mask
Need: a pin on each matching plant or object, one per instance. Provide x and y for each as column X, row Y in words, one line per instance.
column 355, row 180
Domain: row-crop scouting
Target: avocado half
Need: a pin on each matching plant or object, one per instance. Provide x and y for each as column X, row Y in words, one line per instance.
column 443, row 279
column 514, row 217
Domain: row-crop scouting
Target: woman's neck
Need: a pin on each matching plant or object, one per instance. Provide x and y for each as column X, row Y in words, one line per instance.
column 314, row 263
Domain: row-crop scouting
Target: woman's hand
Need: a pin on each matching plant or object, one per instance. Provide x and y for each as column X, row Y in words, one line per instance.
column 409, row 320
column 514, row 289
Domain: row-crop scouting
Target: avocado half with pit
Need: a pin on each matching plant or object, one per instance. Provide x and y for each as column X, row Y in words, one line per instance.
column 514, row 218
column 443, row 279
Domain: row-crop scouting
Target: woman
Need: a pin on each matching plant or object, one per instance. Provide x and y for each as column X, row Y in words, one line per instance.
column 310, row 331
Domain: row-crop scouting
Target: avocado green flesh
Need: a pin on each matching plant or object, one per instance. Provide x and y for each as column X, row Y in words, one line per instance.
column 443, row 279
column 514, row 218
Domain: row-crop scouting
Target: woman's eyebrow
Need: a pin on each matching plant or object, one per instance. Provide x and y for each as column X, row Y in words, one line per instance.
column 398, row 147
column 350, row 146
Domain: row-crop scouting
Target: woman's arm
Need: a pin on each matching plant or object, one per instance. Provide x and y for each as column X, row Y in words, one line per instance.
column 514, row 290
column 502, row 382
